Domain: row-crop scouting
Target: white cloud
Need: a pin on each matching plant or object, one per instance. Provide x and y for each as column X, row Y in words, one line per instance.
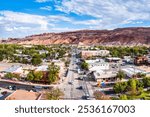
column 118, row 12
column 88, row 22
column 17, row 24
column 41, row 1
column 59, row 18
column 48, row 8
column 10, row 17
column 106, row 14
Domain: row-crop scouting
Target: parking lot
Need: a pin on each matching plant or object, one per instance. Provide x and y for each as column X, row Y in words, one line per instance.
column 4, row 93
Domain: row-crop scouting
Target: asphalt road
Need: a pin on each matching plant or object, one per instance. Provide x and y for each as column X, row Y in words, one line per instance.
column 71, row 84
column 18, row 86
column 5, row 85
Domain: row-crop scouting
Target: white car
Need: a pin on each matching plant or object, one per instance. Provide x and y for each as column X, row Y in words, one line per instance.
column 10, row 87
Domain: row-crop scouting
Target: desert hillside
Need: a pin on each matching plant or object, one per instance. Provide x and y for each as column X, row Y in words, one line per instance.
column 120, row 36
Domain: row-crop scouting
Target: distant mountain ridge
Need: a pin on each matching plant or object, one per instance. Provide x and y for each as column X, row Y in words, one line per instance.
column 120, row 36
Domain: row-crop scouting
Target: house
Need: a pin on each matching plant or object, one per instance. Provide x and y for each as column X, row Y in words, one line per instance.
column 27, row 46
column 23, row 56
column 140, row 60
column 43, row 51
column 23, row 95
column 127, row 59
column 91, row 53
column 82, row 45
column 19, row 51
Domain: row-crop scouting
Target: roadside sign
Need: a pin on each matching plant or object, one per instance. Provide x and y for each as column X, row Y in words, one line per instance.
column 103, row 84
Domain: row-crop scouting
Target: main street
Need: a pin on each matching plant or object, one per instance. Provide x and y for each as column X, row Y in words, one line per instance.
column 73, row 88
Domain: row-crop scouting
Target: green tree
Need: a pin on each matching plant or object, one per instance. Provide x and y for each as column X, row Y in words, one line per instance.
column 43, row 55
column 61, row 53
column 84, row 65
column 1, row 57
column 24, row 61
column 53, row 72
column 16, row 76
column 146, row 81
column 54, row 94
column 38, row 75
column 67, row 63
column 140, row 75
column 30, row 76
column 9, row 75
column 123, row 97
column 36, row 60
column 52, row 54
column 120, row 87
column 132, row 86
column 120, row 75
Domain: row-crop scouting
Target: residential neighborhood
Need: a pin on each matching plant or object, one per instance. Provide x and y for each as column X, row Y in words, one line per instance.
column 74, row 72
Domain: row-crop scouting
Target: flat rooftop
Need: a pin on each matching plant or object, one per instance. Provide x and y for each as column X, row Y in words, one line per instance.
column 42, row 68
column 101, row 74
column 23, row 95
column 133, row 70
column 12, row 68
column 144, row 68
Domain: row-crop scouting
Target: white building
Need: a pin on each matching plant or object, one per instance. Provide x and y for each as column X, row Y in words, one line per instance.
column 19, row 51
column 113, row 59
column 104, row 76
column 42, row 68
column 98, row 64
column 16, row 69
column 43, row 52
column 100, row 70
column 130, row 71
column 148, row 58
column 127, row 59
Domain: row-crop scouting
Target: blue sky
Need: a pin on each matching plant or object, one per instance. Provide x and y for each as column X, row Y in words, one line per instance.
column 19, row 18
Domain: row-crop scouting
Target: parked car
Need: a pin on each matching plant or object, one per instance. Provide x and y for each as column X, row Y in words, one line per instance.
column 46, row 87
column 86, row 97
column 37, row 88
column 4, row 92
column 14, row 88
column 80, row 87
column 10, row 87
column 80, row 78
column 70, row 82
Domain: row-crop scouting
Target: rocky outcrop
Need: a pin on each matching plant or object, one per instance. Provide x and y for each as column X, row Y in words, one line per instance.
column 120, row 36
